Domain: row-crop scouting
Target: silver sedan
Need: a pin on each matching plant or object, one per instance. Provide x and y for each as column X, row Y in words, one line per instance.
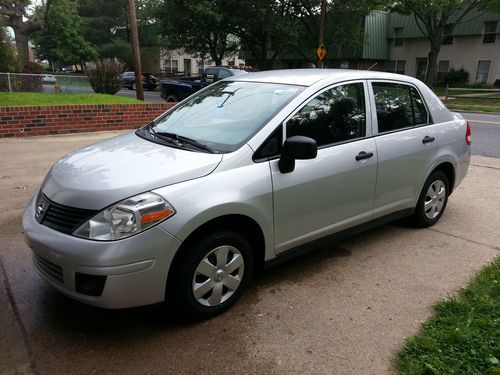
column 248, row 172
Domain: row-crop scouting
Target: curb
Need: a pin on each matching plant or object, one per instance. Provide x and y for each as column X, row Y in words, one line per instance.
column 14, row 355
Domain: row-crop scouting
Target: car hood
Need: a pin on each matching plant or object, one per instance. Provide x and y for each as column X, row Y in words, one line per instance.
column 104, row 173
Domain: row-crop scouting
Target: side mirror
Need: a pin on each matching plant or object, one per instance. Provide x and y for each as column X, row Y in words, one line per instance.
column 296, row 148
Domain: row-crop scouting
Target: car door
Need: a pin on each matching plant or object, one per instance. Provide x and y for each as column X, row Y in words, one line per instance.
column 406, row 145
column 335, row 190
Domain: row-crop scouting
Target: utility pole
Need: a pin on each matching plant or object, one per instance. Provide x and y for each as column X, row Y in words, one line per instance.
column 136, row 54
column 321, row 30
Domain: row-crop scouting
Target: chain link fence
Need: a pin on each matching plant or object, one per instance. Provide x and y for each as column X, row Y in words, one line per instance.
column 46, row 83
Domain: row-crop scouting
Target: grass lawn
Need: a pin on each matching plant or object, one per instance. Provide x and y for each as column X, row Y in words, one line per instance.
column 463, row 337
column 22, row 98
column 491, row 105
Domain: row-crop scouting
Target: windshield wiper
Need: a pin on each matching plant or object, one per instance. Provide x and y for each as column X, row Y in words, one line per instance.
column 173, row 137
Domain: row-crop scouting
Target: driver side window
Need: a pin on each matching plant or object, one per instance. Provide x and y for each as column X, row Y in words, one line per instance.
column 336, row 115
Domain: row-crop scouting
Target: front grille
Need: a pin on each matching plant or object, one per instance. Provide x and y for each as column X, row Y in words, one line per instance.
column 49, row 269
column 62, row 218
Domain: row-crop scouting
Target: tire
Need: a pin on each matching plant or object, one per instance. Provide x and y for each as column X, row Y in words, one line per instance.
column 193, row 276
column 130, row 87
column 171, row 98
column 134, row 86
column 432, row 201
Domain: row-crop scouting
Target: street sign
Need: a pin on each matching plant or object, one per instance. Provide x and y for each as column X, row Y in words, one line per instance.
column 321, row 51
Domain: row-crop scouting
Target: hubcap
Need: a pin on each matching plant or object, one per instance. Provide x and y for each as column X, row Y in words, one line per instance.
column 434, row 199
column 218, row 275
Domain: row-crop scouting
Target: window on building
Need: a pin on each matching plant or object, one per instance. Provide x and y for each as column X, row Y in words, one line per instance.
column 171, row 66
column 230, row 63
column 490, row 32
column 447, row 35
column 395, row 66
column 398, row 106
column 335, row 115
column 483, row 69
column 398, row 36
column 443, row 68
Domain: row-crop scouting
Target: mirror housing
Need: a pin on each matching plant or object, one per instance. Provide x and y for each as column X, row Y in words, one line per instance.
column 296, row 148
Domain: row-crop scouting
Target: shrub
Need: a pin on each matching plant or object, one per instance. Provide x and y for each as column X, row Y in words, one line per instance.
column 104, row 75
column 456, row 77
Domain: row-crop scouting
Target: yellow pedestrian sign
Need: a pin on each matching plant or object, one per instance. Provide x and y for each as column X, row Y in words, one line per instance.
column 321, row 51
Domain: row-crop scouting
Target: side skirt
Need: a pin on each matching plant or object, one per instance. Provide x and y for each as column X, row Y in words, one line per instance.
column 336, row 237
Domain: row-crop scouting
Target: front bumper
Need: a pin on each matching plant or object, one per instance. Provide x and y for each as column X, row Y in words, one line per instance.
column 135, row 269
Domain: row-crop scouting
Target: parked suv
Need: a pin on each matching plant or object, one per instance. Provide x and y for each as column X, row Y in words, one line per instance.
column 250, row 171
column 174, row 90
column 148, row 81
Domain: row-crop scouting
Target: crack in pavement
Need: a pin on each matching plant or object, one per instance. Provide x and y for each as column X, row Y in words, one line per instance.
column 485, row 166
column 466, row 239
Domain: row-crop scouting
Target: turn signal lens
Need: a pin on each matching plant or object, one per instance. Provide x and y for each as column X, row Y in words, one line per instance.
column 468, row 134
column 126, row 218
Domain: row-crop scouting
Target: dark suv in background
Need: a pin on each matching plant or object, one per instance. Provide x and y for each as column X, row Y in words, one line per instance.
column 175, row 90
column 148, row 81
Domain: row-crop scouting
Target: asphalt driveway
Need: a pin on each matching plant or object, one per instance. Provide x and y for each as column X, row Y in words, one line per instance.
column 345, row 309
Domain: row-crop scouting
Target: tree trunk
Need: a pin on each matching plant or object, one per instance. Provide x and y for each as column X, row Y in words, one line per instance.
column 217, row 60
column 22, row 45
column 432, row 65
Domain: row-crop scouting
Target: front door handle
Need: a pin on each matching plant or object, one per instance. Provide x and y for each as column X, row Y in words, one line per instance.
column 428, row 139
column 364, row 155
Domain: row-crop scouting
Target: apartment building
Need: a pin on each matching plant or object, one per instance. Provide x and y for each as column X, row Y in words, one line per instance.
column 178, row 62
column 395, row 43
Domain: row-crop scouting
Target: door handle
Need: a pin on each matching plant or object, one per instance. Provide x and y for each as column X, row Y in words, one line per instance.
column 428, row 139
column 364, row 155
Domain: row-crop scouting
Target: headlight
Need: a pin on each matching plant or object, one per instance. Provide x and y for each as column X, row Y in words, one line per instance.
column 125, row 218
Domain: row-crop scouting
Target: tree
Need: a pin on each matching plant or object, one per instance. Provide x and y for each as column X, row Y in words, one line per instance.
column 60, row 41
column 199, row 27
column 434, row 17
column 7, row 58
column 15, row 14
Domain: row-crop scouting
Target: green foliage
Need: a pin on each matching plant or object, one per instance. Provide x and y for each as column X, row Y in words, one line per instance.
column 464, row 335
column 61, row 41
column 39, row 99
column 32, row 68
column 7, row 57
column 104, row 76
column 199, row 26
column 105, row 25
column 456, row 77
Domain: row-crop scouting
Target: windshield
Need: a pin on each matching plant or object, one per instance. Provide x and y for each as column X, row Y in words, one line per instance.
column 226, row 114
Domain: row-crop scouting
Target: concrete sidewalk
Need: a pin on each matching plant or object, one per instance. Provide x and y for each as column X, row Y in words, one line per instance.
column 343, row 310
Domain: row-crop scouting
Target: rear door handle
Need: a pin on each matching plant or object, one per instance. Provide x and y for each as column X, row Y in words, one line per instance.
column 364, row 155
column 428, row 139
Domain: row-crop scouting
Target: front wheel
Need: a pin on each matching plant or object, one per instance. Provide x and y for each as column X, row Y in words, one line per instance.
column 171, row 98
column 432, row 201
column 212, row 275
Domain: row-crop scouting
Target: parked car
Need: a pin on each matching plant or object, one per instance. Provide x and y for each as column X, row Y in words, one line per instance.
column 175, row 90
column 148, row 81
column 49, row 79
column 251, row 171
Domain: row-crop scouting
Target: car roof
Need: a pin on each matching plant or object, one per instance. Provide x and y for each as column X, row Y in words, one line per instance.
column 308, row 77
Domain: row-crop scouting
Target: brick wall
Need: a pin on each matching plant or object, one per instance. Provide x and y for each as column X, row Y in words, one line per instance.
column 46, row 120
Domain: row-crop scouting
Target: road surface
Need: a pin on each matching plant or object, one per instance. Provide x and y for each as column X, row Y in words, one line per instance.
column 149, row 96
column 485, row 134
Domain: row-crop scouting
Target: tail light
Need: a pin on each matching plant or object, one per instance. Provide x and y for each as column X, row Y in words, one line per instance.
column 468, row 134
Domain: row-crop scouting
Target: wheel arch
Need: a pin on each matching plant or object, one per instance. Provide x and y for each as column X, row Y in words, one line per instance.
column 243, row 224
column 449, row 170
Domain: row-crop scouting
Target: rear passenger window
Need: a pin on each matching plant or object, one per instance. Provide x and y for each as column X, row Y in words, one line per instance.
column 398, row 106
column 335, row 115
column 224, row 74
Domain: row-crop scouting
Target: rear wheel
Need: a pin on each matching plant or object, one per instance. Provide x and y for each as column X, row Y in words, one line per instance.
column 212, row 275
column 432, row 201
column 134, row 86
